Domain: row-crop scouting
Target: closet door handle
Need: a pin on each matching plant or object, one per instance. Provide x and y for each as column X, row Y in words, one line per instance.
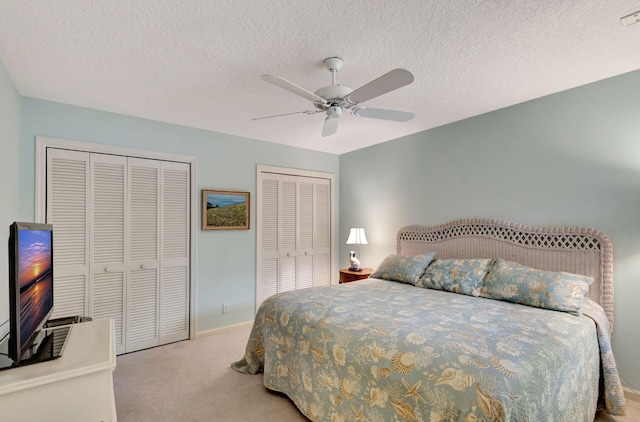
column 143, row 267
column 107, row 269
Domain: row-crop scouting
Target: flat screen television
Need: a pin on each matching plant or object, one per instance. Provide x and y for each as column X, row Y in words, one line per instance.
column 30, row 284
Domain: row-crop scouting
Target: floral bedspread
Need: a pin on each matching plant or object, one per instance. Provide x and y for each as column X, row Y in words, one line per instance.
column 377, row 350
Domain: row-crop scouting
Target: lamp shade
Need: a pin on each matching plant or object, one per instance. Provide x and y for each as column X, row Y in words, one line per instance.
column 357, row 237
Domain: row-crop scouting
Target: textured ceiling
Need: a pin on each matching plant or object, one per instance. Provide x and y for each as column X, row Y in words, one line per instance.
column 198, row 62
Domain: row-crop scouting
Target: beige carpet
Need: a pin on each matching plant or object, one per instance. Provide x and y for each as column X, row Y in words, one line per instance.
column 192, row 381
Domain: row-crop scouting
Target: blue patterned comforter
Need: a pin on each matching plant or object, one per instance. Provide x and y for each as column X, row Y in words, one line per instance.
column 377, row 350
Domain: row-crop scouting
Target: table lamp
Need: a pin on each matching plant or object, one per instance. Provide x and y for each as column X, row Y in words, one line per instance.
column 356, row 237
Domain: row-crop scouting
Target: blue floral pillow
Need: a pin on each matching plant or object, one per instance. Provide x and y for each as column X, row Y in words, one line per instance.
column 518, row 283
column 403, row 268
column 456, row 275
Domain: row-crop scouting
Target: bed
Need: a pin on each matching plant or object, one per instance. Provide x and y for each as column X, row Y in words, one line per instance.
column 440, row 333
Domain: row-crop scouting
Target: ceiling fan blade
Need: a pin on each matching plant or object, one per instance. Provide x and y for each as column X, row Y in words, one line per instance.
column 395, row 79
column 330, row 125
column 380, row 113
column 287, row 114
column 291, row 87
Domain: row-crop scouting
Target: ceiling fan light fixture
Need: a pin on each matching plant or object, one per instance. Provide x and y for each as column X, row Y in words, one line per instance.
column 334, row 112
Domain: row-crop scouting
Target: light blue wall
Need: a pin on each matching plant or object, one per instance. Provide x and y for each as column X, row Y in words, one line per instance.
column 9, row 141
column 225, row 260
column 569, row 159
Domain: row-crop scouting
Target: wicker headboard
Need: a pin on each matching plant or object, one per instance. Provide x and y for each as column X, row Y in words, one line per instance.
column 576, row 250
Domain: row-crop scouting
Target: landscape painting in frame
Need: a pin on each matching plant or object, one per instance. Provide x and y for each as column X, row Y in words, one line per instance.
column 225, row 210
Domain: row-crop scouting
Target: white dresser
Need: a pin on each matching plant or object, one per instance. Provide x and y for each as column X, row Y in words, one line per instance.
column 78, row 386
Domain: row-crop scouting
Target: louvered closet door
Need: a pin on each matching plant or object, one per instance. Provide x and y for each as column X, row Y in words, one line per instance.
column 122, row 243
column 288, row 233
column 294, row 233
column 322, row 232
column 143, row 287
column 109, row 210
column 175, row 253
column 267, row 238
column 304, row 261
column 67, row 205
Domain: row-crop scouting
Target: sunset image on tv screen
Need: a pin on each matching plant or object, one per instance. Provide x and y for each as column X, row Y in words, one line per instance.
column 36, row 279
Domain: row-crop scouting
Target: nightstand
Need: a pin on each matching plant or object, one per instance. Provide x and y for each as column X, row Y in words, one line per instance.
column 347, row 275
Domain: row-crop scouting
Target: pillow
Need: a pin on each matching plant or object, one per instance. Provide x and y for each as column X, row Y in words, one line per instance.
column 403, row 268
column 518, row 283
column 456, row 275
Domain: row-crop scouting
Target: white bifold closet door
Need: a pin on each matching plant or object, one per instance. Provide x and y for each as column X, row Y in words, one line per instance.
column 294, row 234
column 121, row 243
column 108, row 200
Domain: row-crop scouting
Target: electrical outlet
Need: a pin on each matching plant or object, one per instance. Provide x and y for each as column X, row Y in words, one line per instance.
column 631, row 19
column 225, row 308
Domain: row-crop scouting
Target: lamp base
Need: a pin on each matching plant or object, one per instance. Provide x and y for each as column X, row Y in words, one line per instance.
column 356, row 269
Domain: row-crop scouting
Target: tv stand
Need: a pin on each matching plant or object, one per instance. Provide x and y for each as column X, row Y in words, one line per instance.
column 58, row 322
column 78, row 386
column 48, row 345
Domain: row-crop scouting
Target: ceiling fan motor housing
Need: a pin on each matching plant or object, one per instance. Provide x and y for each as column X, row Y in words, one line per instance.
column 333, row 92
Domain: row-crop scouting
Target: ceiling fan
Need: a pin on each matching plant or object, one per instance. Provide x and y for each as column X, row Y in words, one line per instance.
column 335, row 99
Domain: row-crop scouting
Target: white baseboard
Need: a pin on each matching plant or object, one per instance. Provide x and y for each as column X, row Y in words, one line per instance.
column 222, row 329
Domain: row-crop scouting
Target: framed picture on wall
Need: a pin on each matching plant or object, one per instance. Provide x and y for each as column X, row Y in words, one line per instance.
column 225, row 210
